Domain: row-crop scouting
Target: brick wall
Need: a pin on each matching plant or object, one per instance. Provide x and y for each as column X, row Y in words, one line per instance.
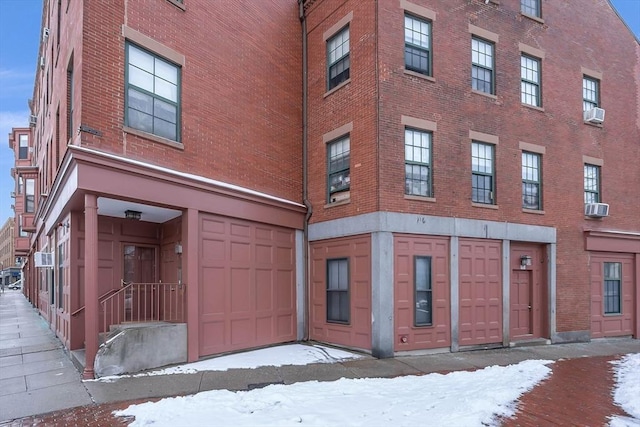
column 375, row 99
column 241, row 86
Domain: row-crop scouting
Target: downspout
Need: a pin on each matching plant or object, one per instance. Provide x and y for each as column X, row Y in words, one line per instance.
column 305, row 172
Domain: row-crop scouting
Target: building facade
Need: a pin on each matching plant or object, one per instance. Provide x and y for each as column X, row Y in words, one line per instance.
column 460, row 153
column 9, row 273
column 386, row 175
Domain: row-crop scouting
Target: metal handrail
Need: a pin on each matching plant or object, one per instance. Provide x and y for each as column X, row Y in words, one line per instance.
column 101, row 298
column 144, row 302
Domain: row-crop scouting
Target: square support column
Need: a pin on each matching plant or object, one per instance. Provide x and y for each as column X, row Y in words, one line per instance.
column 91, row 303
column 191, row 277
column 382, row 302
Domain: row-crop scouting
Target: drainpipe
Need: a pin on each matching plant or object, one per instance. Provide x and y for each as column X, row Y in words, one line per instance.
column 305, row 171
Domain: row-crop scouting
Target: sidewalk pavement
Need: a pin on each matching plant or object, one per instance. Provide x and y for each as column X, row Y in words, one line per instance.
column 37, row 376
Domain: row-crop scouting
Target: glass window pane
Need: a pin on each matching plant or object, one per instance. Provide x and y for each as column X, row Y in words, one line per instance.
column 141, row 59
column 140, row 78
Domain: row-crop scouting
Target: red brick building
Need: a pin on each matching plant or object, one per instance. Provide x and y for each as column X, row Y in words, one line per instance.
column 386, row 175
column 469, row 159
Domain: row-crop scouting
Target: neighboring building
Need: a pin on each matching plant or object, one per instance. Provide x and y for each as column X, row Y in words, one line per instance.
column 442, row 170
column 9, row 273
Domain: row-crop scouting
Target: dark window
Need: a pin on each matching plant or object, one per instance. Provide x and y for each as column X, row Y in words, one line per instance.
column 530, row 7
column 482, row 178
column 59, row 26
column 531, row 181
column 591, row 183
column 338, row 158
column 153, row 94
column 338, row 290
column 417, row 162
column 60, row 274
column 30, row 192
column 530, row 81
column 612, row 287
column 423, row 291
column 23, row 148
column 70, row 100
column 417, row 45
column 338, row 58
column 21, row 232
column 590, row 93
column 482, row 66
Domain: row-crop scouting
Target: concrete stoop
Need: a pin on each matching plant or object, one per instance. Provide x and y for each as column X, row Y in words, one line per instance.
column 135, row 347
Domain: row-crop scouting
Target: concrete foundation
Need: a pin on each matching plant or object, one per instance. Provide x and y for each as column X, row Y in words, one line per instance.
column 135, row 348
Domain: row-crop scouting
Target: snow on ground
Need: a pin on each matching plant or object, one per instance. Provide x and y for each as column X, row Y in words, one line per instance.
column 456, row 399
column 292, row 354
column 627, row 390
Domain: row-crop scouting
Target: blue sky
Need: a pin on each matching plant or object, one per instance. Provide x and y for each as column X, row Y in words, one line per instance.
column 19, row 37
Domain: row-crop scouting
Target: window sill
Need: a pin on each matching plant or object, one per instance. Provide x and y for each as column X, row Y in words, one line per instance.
column 595, row 125
column 488, row 95
column 178, row 4
column 154, row 138
column 419, row 75
column 533, row 211
column 340, row 203
column 533, row 107
column 420, row 198
column 484, row 205
column 344, row 83
column 533, row 18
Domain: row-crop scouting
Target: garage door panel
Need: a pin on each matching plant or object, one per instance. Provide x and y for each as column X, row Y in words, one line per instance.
column 247, row 293
column 264, row 291
column 215, row 226
column 213, row 290
column 480, row 292
column 241, row 300
column 240, row 229
column 263, row 254
column 213, row 249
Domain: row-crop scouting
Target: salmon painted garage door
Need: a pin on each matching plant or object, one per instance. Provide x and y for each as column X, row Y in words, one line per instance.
column 247, row 284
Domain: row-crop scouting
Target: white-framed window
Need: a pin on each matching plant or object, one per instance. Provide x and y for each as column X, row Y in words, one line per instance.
column 23, row 146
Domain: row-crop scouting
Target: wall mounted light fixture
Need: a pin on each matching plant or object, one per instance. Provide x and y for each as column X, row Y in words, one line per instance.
column 136, row 215
column 525, row 260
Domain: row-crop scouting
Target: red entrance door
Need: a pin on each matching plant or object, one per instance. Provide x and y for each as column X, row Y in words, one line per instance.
column 139, row 269
column 521, row 303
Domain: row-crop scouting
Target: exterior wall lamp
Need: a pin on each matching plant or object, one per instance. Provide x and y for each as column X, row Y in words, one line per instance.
column 135, row 215
column 525, row 261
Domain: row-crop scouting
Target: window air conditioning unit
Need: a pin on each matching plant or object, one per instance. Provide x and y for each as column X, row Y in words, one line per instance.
column 596, row 210
column 594, row 115
column 43, row 259
column 13, row 194
column 45, row 34
column 33, row 120
column 42, row 62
